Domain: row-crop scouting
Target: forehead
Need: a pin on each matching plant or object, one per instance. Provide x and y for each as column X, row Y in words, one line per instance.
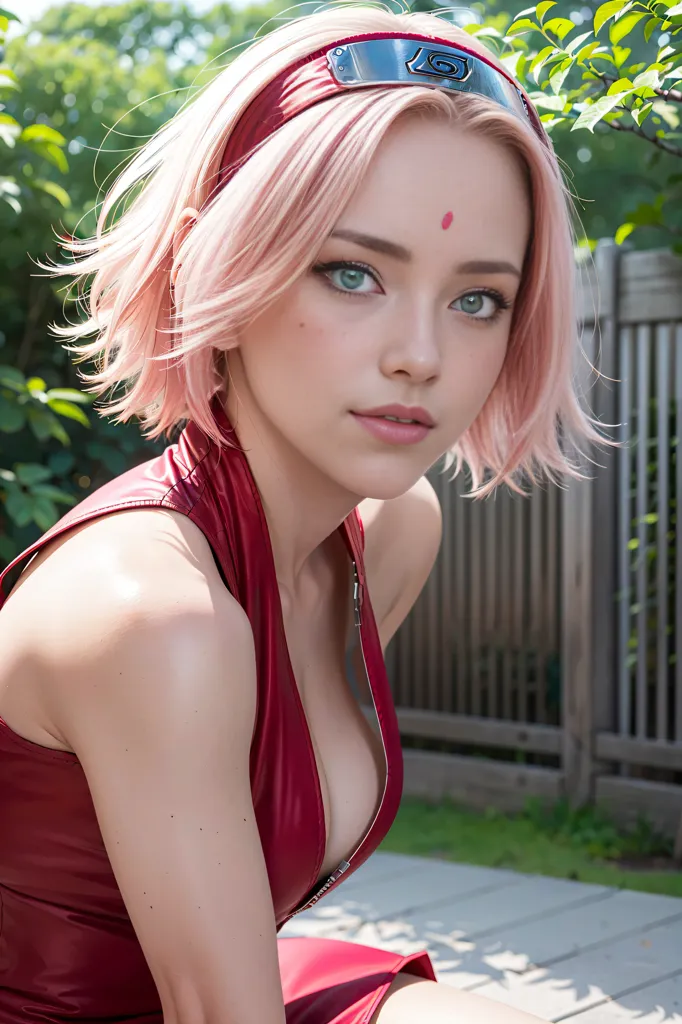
column 423, row 170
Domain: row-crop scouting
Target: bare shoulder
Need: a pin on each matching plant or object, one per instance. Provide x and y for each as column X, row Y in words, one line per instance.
column 402, row 538
column 153, row 686
column 111, row 588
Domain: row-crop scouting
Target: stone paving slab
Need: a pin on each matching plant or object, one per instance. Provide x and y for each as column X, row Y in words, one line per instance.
column 660, row 1003
column 555, row 948
column 588, row 979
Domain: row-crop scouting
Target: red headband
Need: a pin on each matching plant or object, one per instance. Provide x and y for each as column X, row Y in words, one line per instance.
column 310, row 80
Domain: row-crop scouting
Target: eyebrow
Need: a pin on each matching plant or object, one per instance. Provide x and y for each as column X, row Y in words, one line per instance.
column 399, row 252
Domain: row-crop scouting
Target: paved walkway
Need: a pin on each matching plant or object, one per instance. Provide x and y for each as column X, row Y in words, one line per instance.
column 562, row 950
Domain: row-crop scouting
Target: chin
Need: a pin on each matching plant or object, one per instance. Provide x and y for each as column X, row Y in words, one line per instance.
column 382, row 482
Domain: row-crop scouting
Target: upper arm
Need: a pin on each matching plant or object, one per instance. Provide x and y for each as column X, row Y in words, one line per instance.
column 159, row 706
column 402, row 538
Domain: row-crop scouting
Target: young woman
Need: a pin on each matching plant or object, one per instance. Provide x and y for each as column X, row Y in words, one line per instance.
column 350, row 256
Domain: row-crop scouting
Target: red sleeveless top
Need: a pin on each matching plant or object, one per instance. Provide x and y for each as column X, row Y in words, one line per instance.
column 67, row 947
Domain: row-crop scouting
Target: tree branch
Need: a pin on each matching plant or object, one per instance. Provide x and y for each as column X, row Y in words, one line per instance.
column 634, row 129
column 670, row 95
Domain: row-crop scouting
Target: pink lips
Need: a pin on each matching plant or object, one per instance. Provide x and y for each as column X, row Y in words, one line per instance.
column 392, row 432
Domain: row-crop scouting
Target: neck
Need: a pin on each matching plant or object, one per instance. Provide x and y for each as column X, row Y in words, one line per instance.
column 302, row 506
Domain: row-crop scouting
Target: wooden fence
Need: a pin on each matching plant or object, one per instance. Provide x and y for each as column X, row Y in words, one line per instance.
column 544, row 657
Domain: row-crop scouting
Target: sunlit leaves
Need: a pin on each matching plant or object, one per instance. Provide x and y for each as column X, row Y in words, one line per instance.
column 621, row 28
column 611, row 9
column 593, row 114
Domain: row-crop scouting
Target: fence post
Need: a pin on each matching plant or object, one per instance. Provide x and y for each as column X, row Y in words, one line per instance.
column 587, row 558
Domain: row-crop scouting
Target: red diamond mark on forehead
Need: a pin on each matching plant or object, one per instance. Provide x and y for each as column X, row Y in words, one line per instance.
column 447, row 220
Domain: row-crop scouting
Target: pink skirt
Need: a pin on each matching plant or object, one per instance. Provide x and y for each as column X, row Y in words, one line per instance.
column 328, row 981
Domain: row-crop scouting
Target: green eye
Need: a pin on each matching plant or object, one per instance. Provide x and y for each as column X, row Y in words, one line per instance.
column 472, row 303
column 481, row 305
column 349, row 278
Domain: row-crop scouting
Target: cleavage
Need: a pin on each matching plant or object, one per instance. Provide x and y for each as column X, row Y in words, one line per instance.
column 348, row 753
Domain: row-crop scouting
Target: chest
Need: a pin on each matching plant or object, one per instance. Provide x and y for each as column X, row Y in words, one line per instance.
column 328, row 671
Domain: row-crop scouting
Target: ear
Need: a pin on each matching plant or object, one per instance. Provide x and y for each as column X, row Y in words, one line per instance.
column 186, row 222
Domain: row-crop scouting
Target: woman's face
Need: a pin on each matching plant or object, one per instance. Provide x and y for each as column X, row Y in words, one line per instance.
column 408, row 305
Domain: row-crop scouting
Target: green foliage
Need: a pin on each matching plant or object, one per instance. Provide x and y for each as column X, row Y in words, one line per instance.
column 620, row 72
column 554, row 841
column 70, row 104
column 591, row 829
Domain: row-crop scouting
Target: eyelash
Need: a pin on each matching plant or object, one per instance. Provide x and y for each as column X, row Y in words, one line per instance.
column 323, row 269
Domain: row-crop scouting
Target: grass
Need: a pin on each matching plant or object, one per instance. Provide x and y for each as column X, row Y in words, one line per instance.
column 582, row 845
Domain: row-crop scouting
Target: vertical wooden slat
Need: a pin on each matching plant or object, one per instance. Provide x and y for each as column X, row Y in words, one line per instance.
column 476, row 606
column 552, row 618
column 432, row 647
column 537, row 636
column 663, row 509
column 642, row 360
column 624, row 583
column 506, row 596
column 492, row 556
column 460, row 553
column 519, row 631
column 678, row 535
column 446, row 612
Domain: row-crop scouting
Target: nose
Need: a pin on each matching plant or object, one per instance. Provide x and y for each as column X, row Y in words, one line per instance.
column 413, row 350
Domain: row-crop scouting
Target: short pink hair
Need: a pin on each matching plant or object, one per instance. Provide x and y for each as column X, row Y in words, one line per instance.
column 259, row 233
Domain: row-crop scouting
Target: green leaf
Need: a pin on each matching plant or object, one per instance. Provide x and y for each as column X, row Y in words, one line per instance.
column 545, row 102
column 8, row 78
column 540, row 59
column 560, row 27
column 609, row 10
column 542, row 8
column 9, row 133
column 623, row 232
column 586, row 52
column 54, row 494
column 511, row 62
column 72, row 412
column 61, row 462
column 4, row 13
column 44, row 424
column 620, row 55
column 622, row 85
column 647, row 79
column 12, row 416
column 12, row 378
column 69, row 395
column 640, row 114
column 19, row 507
column 42, row 133
column 650, row 26
column 578, row 41
column 595, row 112
column 524, row 25
column 51, row 152
column 557, row 75
column 672, row 11
column 44, row 512
column 32, row 473
column 625, row 25
column 51, row 188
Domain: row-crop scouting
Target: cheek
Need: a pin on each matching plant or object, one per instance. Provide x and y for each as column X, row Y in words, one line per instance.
column 473, row 373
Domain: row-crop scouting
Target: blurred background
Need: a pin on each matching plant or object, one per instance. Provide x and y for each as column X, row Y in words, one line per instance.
column 538, row 680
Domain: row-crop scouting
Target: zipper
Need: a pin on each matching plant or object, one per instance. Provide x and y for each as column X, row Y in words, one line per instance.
column 345, row 864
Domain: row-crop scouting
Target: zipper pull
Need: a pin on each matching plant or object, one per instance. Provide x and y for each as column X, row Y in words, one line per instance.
column 357, row 595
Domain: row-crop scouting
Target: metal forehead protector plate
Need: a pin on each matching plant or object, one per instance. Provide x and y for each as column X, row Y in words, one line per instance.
column 409, row 62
